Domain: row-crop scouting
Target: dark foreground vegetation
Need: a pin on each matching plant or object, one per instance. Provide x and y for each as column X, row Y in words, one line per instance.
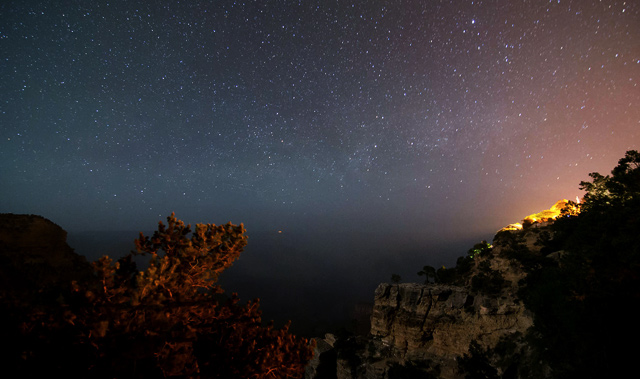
column 585, row 300
column 582, row 285
column 585, row 305
column 170, row 320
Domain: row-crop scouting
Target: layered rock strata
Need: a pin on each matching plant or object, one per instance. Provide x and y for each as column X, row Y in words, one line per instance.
column 438, row 322
column 427, row 328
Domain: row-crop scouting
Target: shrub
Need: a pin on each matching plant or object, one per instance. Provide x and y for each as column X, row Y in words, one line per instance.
column 167, row 320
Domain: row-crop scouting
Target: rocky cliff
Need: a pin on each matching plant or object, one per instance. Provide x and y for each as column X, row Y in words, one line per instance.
column 440, row 321
column 426, row 330
column 35, row 259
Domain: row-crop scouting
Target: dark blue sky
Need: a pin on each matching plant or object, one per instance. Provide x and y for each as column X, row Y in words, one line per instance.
column 424, row 118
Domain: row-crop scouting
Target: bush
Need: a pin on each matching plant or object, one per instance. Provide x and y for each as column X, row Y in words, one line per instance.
column 167, row 320
column 487, row 281
column 584, row 306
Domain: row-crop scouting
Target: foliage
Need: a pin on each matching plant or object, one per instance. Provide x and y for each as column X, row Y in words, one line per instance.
column 446, row 275
column 620, row 189
column 509, row 359
column 518, row 253
column 395, row 278
column 487, row 280
column 481, row 249
column 583, row 301
column 477, row 363
column 167, row 320
column 414, row 370
column 349, row 350
column 585, row 306
column 428, row 272
column 457, row 274
column 463, row 268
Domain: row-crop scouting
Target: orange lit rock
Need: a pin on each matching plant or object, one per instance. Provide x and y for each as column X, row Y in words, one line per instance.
column 543, row 217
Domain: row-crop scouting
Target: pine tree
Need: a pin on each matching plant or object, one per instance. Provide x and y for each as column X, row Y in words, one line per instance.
column 169, row 319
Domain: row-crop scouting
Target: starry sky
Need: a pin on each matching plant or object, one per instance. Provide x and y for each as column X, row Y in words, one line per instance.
column 443, row 119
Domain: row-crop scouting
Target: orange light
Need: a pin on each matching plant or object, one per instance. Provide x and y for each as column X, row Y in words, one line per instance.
column 545, row 215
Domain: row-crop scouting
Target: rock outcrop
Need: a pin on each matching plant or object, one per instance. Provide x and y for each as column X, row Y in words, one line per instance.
column 439, row 321
column 425, row 329
column 35, row 259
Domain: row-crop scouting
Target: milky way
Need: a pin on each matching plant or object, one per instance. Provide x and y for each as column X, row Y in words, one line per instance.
column 412, row 115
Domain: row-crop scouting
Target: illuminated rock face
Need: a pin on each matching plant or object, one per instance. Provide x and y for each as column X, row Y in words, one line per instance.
column 512, row 227
column 436, row 323
column 439, row 321
column 548, row 214
column 541, row 218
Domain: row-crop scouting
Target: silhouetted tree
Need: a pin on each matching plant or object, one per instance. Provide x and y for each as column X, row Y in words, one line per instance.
column 480, row 249
column 167, row 320
column 476, row 364
column 585, row 306
column 446, row 275
column 428, row 272
column 619, row 189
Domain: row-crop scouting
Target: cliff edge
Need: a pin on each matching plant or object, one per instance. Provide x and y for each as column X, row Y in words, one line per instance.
column 429, row 330
column 35, row 259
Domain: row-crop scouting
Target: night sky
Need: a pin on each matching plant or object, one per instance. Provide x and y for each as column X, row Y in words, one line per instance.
column 410, row 119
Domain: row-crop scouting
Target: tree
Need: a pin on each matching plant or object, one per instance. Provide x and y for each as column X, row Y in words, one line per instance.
column 622, row 187
column 170, row 319
column 428, row 272
column 395, row 278
column 584, row 305
column 479, row 250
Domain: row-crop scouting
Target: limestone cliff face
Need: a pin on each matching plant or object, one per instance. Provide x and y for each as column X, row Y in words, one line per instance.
column 427, row 328
column 439, row 322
